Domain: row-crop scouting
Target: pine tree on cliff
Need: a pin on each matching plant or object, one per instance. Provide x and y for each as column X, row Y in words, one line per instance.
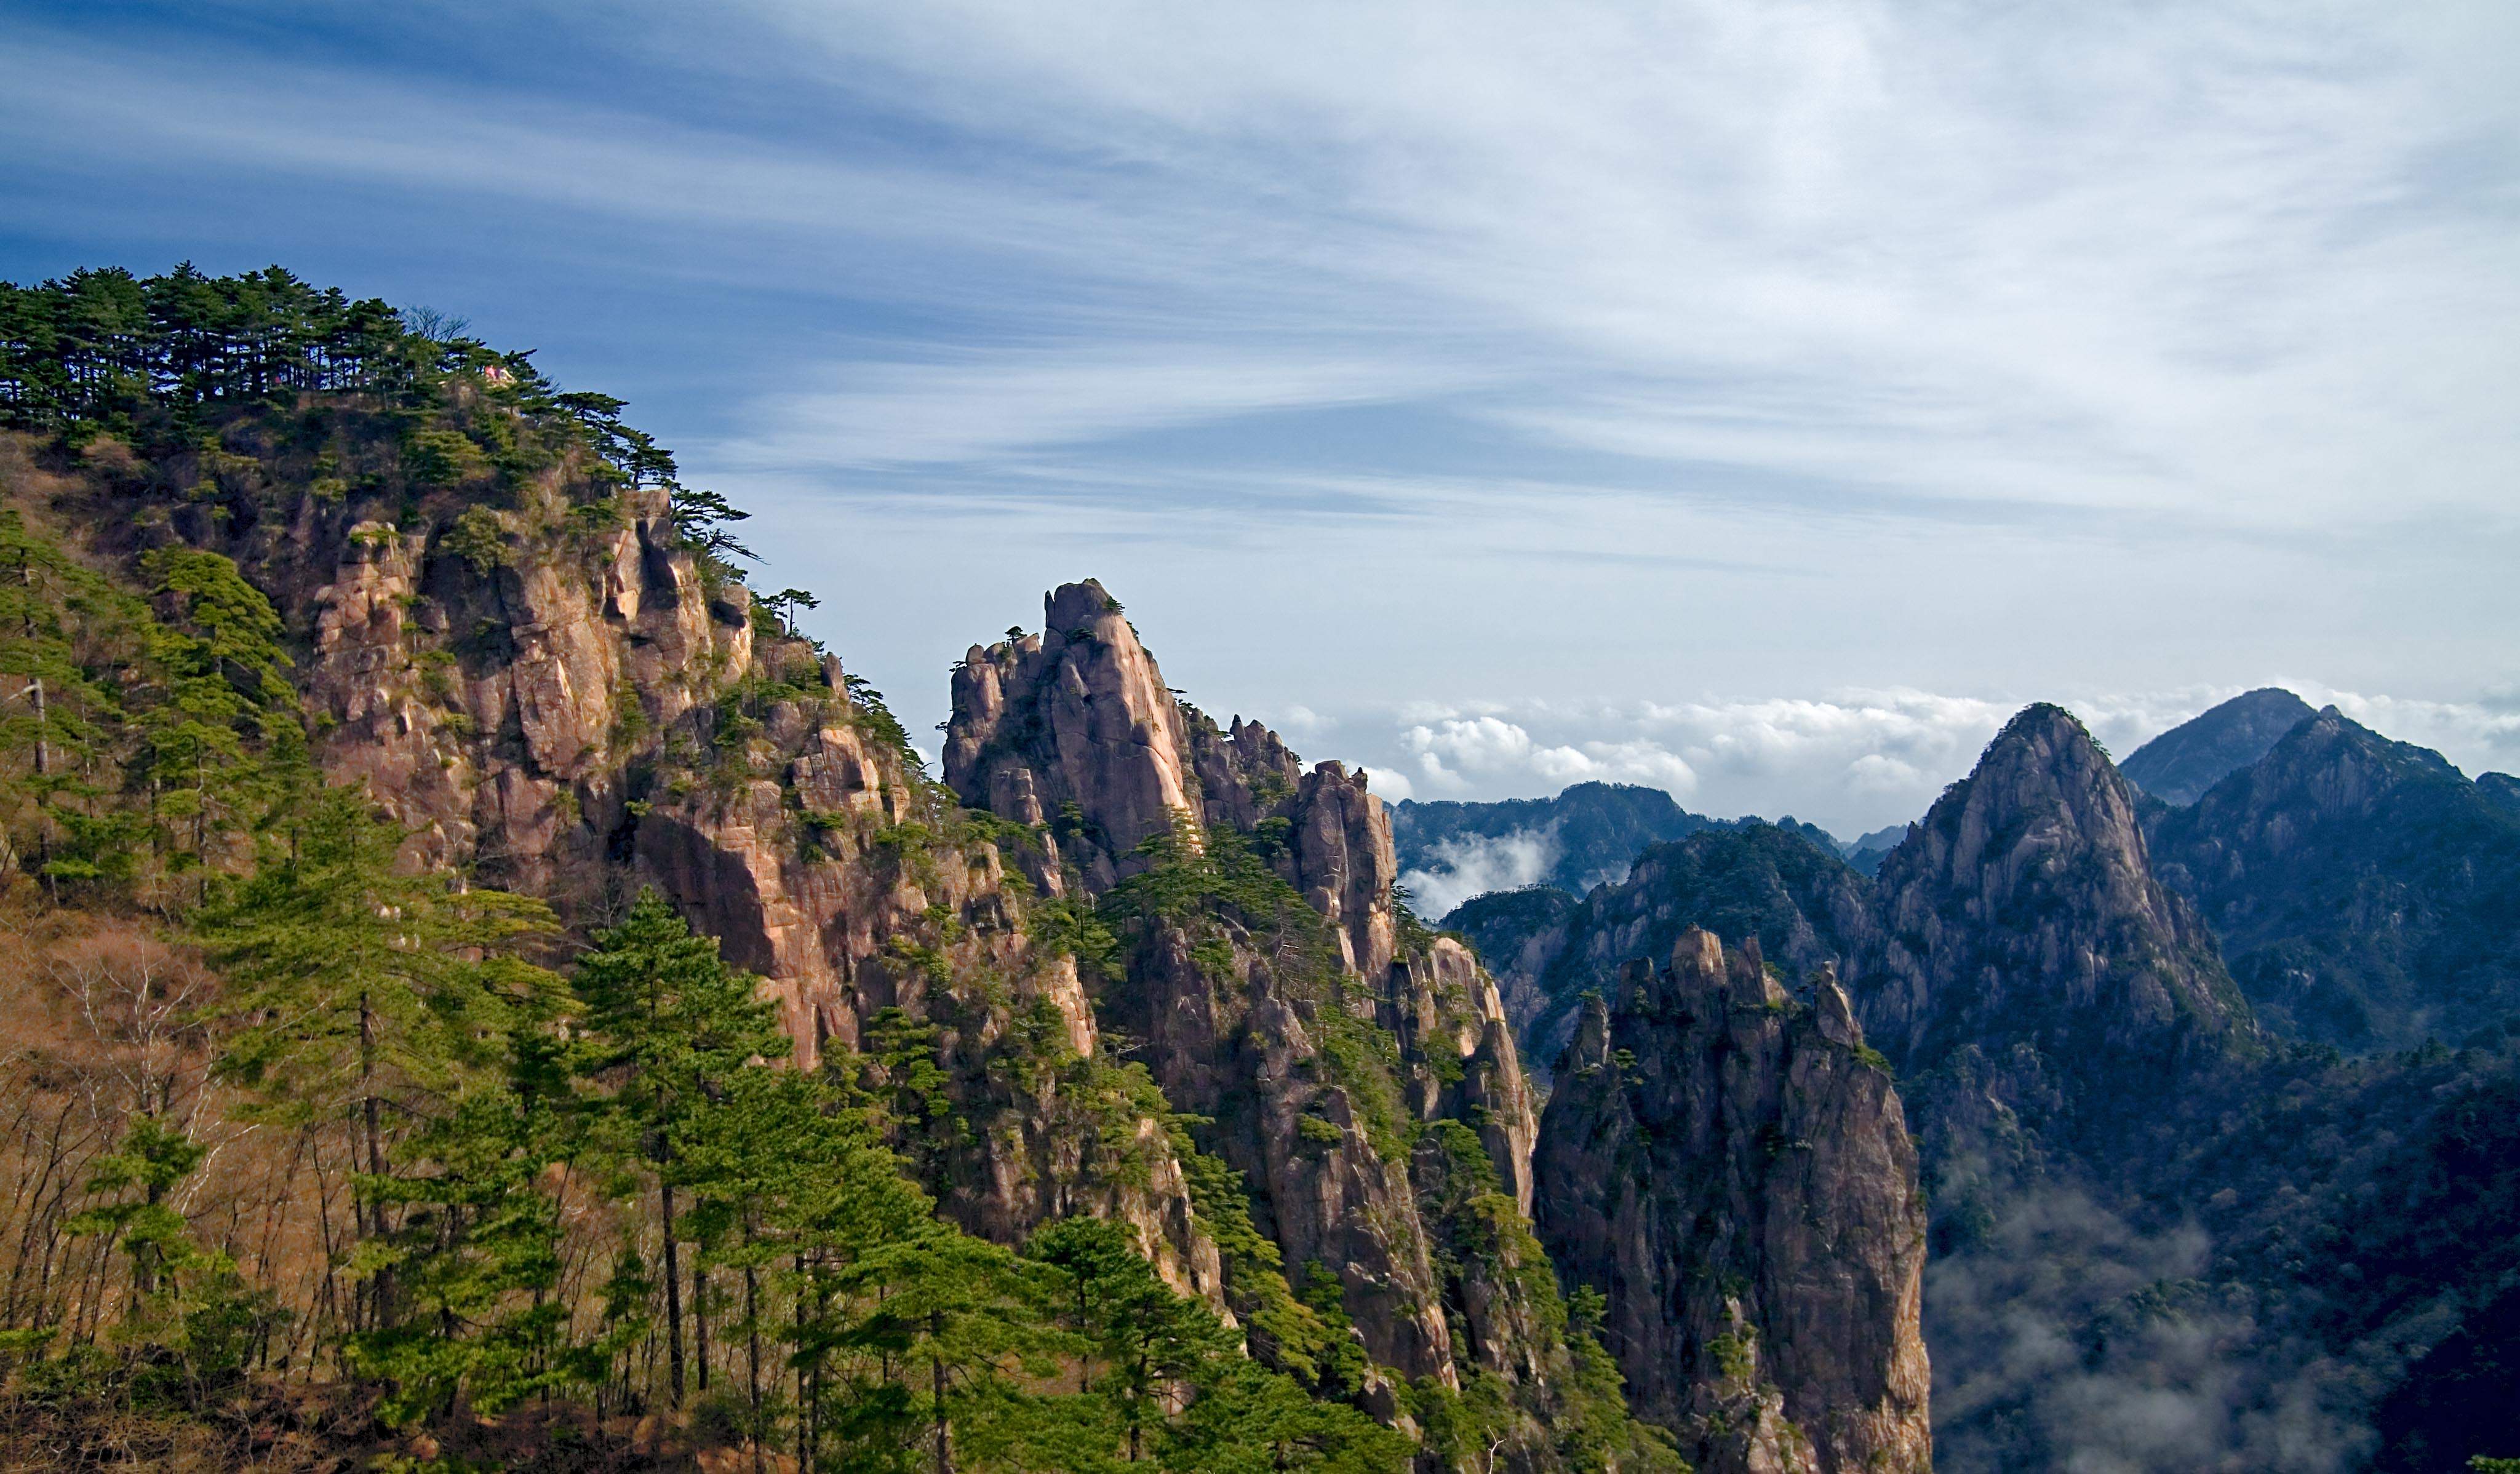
column 357, row 991
column 1149, row 1341
column 662, row 1003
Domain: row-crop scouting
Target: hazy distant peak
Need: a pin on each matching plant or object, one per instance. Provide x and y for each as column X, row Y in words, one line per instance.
column 2180, row 763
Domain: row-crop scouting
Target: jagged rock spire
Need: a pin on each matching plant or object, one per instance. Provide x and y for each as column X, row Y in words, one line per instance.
column 1731, row 1168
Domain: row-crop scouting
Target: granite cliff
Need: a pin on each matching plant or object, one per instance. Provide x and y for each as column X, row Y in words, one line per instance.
column 540, row 676
column 1359, row 1072
column 1730, row 1166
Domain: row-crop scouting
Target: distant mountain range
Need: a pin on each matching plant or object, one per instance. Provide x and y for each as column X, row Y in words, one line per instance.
column 2095, row 1098
column 1587, row 836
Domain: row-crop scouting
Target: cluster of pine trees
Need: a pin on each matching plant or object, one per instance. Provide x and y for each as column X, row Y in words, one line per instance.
column 606, row 1190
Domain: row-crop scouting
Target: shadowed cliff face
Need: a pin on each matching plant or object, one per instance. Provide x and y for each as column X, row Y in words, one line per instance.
column 1805, row 906
column 2032, row 971
column 1732, row 1169
column 2363, row 890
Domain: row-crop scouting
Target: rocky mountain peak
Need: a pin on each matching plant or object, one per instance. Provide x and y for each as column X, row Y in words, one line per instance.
column 1731, row 1167
column 1073, row 727
column 2361, row 887
column 2023, row 923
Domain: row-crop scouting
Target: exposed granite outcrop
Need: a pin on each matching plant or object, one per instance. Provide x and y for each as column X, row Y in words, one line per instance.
column 573, row 708
column 1362, row 1075
column 1731, row 1168
column 1073, row 727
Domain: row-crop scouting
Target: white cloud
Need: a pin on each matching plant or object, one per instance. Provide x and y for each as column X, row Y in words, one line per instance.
column 1473, row 865
column 1852, row 762
column 2225, row 258
column 982, row 405
column 1454, row 750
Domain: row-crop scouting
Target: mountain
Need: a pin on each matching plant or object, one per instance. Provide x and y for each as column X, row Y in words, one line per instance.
column 2502, row 788
column 2121, row 1162
column 1728, row 1162
column 2363, row 888
column 2031, row 966
column 2179, row 765
column 1128, row 1008
column 1866, row 853
column 485, row 991
column 1801, row 904
column 1586, row 834
column 1450, row 851
column 2159, row 1238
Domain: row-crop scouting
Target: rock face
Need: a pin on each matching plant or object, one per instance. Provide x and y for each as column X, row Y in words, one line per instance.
column 1074, row 728
column 2179, row 765
column 579, row 706
column 2363, row 888
column 1731, row 1168
column 1250, row 1017
column 1073, row 724
column 557, row 695
column 1804, row 905
column 2030, row 963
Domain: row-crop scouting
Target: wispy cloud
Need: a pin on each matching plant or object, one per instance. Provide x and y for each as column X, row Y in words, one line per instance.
column 1851, row 762
column 1427, row 350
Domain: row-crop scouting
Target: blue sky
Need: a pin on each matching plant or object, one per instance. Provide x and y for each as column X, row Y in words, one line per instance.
column 1758, row 400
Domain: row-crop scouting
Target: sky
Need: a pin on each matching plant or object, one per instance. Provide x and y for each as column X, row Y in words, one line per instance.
column 1760, row 401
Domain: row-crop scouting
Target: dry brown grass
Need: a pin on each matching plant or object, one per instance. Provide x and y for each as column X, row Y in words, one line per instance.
column 101, row 1019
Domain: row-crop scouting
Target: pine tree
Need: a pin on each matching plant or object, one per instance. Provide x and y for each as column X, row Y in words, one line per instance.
column 1149, row 1340
column 664, row 1009
column 357, row 990
column 478, row 1246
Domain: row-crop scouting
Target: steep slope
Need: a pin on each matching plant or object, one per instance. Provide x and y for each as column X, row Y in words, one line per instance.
column 2362, row 888
column 1358, row 1071
column 2160, row 1242
column 2179, row 765
column 548, row 677
column 1517, row 934
column 1731, row 1168
column 2364, row 891
column 2032, row 971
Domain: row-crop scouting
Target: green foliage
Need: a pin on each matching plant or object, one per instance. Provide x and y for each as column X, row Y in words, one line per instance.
column 480, row 537
column 102, row 347
column 440, row 457
column 1214, row 887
